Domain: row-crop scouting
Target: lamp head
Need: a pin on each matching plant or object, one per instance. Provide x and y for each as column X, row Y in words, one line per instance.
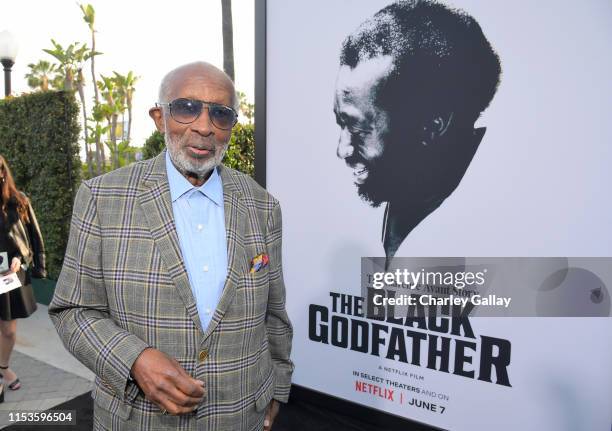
column 8, row 47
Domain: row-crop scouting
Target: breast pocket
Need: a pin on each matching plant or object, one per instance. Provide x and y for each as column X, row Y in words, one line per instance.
column 258, row 278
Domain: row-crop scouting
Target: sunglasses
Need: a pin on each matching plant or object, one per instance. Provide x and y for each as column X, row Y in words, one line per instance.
column 186, row 111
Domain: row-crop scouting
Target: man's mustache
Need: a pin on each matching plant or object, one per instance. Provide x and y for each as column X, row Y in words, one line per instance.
column 355, row 160
column 200, row 145
column 187, row 141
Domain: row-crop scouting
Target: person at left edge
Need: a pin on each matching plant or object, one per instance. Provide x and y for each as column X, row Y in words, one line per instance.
column 156, row 295
column 21, row 245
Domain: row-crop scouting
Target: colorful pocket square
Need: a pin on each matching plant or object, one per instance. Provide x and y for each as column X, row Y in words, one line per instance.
column 259, row 262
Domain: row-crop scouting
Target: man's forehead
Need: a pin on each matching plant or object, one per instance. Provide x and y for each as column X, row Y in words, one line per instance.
column 180, row 84
column 366, row 74
column 188, row 80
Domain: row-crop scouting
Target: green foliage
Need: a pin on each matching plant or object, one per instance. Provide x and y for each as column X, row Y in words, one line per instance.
column 117, row 92
column 43, row 75
column 125, row 86
column 125, row 153
column 153, row 145
column 241, row 151
column 39, row 138
column 89, row 15
column 240, row 154
column 71, row 61
column 245, row 107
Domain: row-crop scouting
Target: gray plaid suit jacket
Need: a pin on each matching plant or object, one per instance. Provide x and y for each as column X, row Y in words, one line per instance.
column 124, row 287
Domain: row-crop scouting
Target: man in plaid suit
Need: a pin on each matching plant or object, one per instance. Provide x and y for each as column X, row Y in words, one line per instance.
column 172, row 290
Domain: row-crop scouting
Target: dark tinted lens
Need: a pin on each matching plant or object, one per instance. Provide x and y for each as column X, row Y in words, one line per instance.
column 185, row 110
column 222, row 116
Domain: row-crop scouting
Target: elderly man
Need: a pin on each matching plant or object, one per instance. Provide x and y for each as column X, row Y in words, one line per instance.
column 413, row 80
column 172, row 290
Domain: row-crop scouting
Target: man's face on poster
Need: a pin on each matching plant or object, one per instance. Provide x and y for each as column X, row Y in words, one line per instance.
column 365, row 129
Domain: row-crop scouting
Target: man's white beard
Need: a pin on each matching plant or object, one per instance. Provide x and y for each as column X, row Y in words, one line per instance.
column 188, row 165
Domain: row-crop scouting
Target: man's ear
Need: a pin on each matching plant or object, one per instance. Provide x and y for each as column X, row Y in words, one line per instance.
column 158, row 117
column 436, row 128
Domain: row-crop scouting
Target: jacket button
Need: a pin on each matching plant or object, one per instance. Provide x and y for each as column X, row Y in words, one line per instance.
column 203, row 355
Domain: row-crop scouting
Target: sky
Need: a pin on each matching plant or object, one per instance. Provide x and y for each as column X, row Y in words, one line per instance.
column 148, row 38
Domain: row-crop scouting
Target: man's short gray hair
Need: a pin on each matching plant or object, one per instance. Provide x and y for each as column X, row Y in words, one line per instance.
column 166, row 84
column 439, row 54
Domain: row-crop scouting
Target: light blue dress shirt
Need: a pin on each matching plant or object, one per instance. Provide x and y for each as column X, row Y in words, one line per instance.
column 200, row 223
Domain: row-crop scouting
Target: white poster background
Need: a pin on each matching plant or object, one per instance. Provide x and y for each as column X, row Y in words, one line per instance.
column 538, row 186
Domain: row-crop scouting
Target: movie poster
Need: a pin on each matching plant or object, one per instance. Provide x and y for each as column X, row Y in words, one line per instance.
column 454, row 152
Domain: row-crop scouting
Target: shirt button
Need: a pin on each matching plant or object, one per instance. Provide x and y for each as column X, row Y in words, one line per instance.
column 205, row 268
column 208, row 311
column 200, row 227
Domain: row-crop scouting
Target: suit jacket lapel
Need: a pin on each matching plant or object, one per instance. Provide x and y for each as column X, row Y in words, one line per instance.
column 235, row 216
column 154, row 197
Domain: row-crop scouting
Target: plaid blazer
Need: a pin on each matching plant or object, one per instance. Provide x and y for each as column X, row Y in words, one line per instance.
column 124, row 287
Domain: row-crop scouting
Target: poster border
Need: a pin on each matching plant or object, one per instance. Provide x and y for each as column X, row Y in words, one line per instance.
column 260, row 92
column 368, row 415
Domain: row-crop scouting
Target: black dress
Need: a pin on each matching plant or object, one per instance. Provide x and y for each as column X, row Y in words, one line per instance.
column 17, row 303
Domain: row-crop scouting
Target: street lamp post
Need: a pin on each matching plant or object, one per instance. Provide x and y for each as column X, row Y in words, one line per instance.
column 8, row 53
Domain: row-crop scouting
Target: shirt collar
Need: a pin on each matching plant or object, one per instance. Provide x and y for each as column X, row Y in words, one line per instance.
column 212, row 188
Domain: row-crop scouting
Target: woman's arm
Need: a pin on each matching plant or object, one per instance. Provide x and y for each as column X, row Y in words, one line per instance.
column 36, row 243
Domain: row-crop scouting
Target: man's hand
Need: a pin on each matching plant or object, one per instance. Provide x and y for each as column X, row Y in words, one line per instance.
column 271, row 412
column 166, row 383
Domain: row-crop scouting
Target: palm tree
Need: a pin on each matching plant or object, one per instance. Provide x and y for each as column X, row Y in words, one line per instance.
column 111, row 109
column 228, row 37
column 40, row 75
column 97, row 130
column 124, row 153
column 89, row 16
column 126, row 87
column 71, row 60
column 81, row 55
column 67, row 61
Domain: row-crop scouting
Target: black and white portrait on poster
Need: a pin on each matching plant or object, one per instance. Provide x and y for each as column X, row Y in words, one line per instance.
column 413, row 80
column 428, row 129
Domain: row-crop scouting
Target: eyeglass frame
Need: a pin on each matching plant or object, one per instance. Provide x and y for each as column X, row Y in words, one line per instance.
column 206, row 105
